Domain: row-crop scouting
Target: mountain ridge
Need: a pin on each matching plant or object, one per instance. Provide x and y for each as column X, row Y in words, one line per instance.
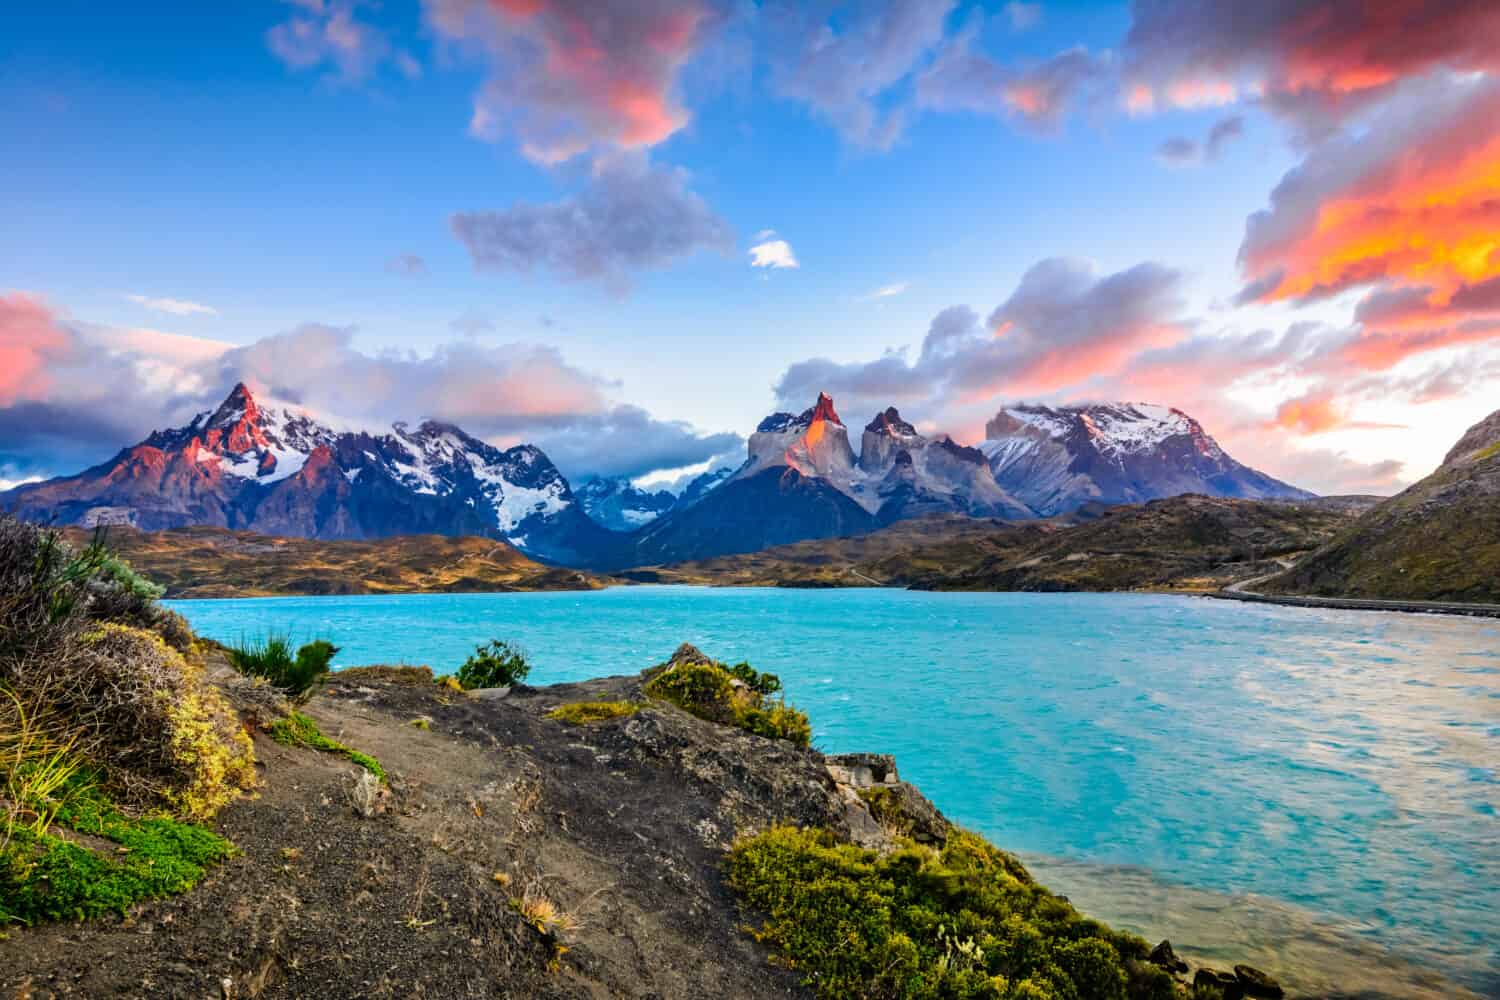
column 1438, row 540
column 271, row 467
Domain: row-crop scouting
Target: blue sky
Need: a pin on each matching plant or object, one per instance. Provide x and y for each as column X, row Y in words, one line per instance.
column 172, row 151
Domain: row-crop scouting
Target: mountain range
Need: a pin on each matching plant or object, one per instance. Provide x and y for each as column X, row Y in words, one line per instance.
column 273, row 468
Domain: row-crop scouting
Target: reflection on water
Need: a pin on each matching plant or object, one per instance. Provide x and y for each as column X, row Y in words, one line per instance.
column 1313, row 956
column 1342, row 764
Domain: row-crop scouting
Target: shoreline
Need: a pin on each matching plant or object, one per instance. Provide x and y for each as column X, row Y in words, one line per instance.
column 1359, row 604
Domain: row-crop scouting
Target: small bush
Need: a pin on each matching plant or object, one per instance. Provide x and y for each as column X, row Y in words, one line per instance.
column 580, row 712
column 272, row 658
column 161, row 729
column 966, row 921
column 498, row 663
column 298, row 730
column 731, row 696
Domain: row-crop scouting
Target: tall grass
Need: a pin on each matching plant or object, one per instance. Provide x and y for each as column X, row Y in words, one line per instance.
column 272, row 658
column 36, row 762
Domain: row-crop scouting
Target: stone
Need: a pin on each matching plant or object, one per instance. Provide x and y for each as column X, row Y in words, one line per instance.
column 1163, row 955
column 1226, row 984
column 1257, row 984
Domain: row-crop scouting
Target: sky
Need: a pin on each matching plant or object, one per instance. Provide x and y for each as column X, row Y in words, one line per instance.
column 626, row 230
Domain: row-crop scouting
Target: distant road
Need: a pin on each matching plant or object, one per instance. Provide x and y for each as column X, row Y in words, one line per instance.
column 1241, row 592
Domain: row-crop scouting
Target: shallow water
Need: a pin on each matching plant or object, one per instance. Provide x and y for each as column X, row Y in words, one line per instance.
column 1320, row 787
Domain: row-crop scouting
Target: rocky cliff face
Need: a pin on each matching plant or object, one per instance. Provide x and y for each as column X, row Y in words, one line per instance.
column 273, row 468
column 1439, row 540
column 1055, row 459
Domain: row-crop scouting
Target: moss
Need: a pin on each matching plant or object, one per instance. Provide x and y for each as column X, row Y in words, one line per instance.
column 46, row 877
column 963, row 922
column 731, row 696
column 298, row 730
column 1489, row 452
column 580, row 712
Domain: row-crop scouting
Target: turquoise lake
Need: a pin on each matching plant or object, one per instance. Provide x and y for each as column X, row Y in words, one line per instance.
column 1320, row 789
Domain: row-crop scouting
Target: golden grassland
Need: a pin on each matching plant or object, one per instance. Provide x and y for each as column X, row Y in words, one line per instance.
column 213, row 562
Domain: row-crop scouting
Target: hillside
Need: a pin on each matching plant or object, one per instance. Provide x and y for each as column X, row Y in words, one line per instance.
column 1182, row 543
column 214, row 562
column 1437, row 541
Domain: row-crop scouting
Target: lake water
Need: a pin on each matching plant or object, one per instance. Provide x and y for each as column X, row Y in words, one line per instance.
column 1317, row 791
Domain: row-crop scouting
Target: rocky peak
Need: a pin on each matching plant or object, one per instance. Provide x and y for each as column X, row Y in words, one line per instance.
column 890, row 424
column 822, row 410
column 1477, row 440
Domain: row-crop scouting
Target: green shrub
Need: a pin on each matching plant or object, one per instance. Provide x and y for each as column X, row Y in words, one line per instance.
column 756, row 681
column 272, row 658
column 498, row 663
column 708, row 691
column 580, row 712
column 298, row 730
column 963, row 922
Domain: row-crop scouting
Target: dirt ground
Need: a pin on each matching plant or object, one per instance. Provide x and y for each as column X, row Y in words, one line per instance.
column 413, row 892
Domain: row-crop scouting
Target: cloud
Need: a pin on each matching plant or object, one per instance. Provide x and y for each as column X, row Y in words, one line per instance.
column 30, row 340
column 567, row 76
column 1064, row 324
column 964, row 79
column 1405, row 211
column 628, row 441
column 472, row 324
column 1180, row 151
column 1313, row 413
column 889, row 291
column 175, row 307
column 86, row 391
column 1315, row 61
column 1023, row 16
column 407, row 265
column 329, row 33
column 632, row 216
column 844, row 60
column 772, row 253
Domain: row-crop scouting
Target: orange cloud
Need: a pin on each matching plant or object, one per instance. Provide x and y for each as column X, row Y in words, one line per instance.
column 1310, row 414
column 29, row 339
column 1411, row 212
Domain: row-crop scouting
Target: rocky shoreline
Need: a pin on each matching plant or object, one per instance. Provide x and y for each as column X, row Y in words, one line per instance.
column 421, row 887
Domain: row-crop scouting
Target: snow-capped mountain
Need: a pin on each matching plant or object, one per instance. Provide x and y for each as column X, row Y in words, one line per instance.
column 273, row 467
column 619, row 506
column 702, row 485
column 1055, row 459
column 913, row 475
column 898, row 473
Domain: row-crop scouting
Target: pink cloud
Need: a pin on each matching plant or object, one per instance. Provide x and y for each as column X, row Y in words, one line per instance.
column 569, row 75
column 30, row 339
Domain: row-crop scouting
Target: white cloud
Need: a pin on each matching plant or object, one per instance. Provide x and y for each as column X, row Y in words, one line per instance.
column 889, row 291
column 177, row 307
column 773, row 253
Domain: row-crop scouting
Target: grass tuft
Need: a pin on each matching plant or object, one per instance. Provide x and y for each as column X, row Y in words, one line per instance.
column 272, row 658
column 581, row 712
